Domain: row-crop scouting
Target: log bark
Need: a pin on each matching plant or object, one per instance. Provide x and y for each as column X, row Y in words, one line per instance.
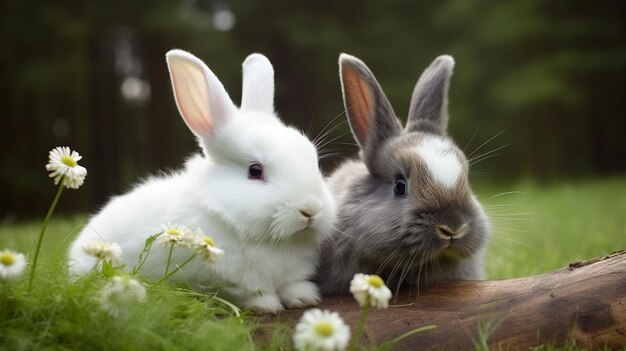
column 585, row 303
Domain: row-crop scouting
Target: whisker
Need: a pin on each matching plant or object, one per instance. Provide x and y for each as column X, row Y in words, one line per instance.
column 351, row 144
column 487, row 154
column 332, row 154
column 419, row 274
column 504, row 220
column 382, row 265
column 396, row 266
column 405, row 271
column 499, row 228
column 473, row 135
column 476, row 173
column 324, row 128
column 327, row 142
column 323, row 138
column 516, row 214
column 499, row 205
column 326, row 131
column 511, row 241
column 486, row 142
column 514, row 192
column 474, row 162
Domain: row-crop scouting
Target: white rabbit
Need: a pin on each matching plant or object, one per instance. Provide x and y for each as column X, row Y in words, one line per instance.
column 257, row 191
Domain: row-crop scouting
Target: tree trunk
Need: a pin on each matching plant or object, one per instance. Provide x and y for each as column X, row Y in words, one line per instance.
column 585, row 302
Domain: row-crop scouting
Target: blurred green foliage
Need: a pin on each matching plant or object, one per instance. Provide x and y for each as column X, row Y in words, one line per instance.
column 545, row 79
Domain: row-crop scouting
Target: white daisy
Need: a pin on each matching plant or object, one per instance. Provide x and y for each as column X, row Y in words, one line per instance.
column 104, row 251
column 177, row 235
column 12, row 264
column 63, row 163
column 370, row 289
column 206, row 247
column 321, row 331
column 120, row 294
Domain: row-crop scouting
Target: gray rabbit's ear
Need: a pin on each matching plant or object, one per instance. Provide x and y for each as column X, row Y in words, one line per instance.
column 369, row 112
column 429, row 103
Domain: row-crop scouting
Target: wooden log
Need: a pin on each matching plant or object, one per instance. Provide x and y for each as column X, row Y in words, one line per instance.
column 585, row 302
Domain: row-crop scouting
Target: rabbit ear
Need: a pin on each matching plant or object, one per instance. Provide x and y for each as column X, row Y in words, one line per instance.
column 429, row 103
column 369, row 112
column 258, row 84
column 201, row 99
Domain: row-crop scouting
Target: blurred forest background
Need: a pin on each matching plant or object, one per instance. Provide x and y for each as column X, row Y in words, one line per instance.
column 544, row 79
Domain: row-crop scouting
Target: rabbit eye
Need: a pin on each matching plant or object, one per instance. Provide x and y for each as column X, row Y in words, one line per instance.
column 255, row 171
column 399, row 186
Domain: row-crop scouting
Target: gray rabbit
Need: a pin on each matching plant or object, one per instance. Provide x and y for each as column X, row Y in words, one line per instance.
column 406, row 209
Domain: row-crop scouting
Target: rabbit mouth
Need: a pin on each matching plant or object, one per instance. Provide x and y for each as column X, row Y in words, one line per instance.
column 419, row 255
column 453, row 252
column 306, row 222
column 284, row 227
column 295, row 219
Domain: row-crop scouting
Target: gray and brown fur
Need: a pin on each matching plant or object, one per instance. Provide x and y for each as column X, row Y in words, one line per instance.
column 396, row 237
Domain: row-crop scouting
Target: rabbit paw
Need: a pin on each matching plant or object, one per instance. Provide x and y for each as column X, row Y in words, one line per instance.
column 265, row 303
column 299, row 294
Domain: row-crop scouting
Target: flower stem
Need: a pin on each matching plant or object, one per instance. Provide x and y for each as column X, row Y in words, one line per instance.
column 360, row 325
column 178, row 268
column 389, row 344
column 43, row 230
column 236, row 310
column 143, row 256
column 169, row 259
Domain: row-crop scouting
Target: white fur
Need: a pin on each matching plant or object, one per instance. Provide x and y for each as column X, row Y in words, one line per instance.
column 442, row 162
column 258, row 84
column 270, row 247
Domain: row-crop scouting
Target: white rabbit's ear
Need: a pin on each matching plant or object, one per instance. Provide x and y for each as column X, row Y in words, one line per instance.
column 258, row 84
column 201, row 99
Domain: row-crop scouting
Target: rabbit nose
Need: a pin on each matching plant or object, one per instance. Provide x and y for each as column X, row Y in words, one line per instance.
column 308, row 213
column 445, row 232
column 309, row 208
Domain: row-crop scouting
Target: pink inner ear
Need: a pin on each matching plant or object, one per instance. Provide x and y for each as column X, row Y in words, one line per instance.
column 190, row 91
column 359, row 102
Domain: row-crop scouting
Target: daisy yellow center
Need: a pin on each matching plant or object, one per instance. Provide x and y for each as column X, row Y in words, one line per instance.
column 174, row 232
column 209, row 241
column 375, row 281
column 68, row 161
column 7, row 258
column 324, row 329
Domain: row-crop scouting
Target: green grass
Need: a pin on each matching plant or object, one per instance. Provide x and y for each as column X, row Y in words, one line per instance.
column 536, row 229
column 62, row 314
